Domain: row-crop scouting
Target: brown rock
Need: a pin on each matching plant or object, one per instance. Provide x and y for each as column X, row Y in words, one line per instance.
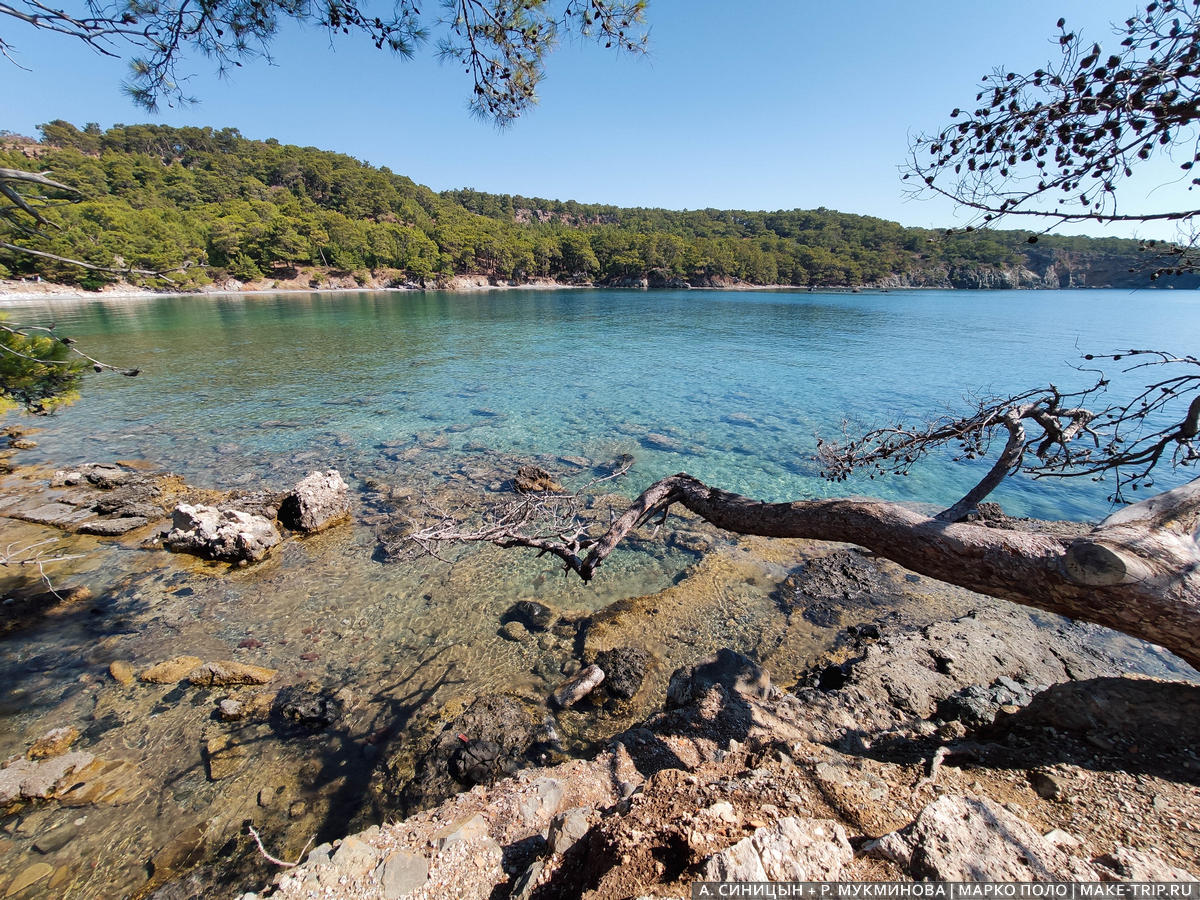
column 53, row 743
column 29, row 875
column 223, row 755
column 229, row 672
column 535, row 480
column 171, row 671
column 121, row 671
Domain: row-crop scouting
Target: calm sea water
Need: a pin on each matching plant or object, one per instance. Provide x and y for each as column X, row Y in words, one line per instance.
column 739, row 383
column 412, row 388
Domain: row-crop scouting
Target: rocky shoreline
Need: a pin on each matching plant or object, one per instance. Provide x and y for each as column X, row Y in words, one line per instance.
column 932, row 706
column 975, row 749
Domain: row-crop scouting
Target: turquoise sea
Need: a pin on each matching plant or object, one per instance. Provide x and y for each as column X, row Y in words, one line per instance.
column 739, row 383
column 443, row 395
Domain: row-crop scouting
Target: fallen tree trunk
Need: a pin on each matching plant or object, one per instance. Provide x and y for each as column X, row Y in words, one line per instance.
column 1138, row 571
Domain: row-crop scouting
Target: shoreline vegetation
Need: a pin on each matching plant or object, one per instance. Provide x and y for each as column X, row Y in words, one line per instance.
column 212, row 210
column 25, row 291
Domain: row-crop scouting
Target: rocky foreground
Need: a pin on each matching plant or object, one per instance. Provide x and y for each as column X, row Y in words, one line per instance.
column 975, row 749
column 990, row 742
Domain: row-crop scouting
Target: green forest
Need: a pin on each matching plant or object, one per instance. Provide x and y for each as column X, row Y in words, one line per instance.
column 211, row 205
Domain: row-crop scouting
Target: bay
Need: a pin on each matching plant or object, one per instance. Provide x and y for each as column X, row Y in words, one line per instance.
column 737, row 383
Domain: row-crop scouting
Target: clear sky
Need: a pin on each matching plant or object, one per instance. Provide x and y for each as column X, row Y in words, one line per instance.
column 758, row 104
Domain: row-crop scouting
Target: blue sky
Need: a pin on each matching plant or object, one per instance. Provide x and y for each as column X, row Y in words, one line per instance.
column 763, row 104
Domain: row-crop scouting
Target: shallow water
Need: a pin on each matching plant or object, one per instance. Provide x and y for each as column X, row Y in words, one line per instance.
column 738, row 383
column 449, row 392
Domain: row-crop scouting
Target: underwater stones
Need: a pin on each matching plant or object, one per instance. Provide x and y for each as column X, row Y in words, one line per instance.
column 228, row 672
column 28, row 877
column 655, row 441
column 224, row 756
column 229, row 535
column 533, row 615
column 624, row 670
column 171, row 671
column 53, row 743
column 121, row 672
column 311, row 709
column 230, row 710
column 535, row 480
column 317, row 502
column 577, row 687
column 514, row 631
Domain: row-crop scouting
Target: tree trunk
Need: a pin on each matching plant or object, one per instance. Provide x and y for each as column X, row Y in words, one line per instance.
column 1138, row 571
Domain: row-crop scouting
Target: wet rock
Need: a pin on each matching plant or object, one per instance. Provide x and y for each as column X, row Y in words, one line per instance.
column 317, row 502
column 477, row 762
column 965, row 838
column 791, row 850
column 53, row 743
column 824, row 589
column 514, row 631
column 533, row 615
column 171, row 671
column 28, row 779
column 315, row 710
column 112, row 527
column 230, row 710
column 63, row 478
column 624, row 670
column 21, row 443
column 29, row 876
column 229, row 672
column 511, row 722
column 121, row 672
column 577, row 687
column 401, row 873
column 229, row 535
column 535, row 480
column 567, row 828
column 736, row 672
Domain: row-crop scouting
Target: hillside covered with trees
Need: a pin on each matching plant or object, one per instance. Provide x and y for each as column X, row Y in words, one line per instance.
column 220, row 206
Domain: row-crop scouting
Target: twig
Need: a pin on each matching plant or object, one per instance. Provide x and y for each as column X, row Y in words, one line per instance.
column 271, row 859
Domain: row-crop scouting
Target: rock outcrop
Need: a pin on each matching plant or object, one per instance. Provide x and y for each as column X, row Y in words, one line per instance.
column 229, row 535
column 317, row 502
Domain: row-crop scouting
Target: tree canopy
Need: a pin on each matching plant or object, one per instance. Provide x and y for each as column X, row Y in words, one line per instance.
column 209, row 204
column 501, row 45
column 1057, row 143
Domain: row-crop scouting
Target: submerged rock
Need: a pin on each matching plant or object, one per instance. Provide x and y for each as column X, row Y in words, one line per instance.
column 229, row 535
column 533, row 615
column 624, row 670
column 171, row 671
column 535, row 480
column 229, row 672
column 317, row 502
column 53, row 743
